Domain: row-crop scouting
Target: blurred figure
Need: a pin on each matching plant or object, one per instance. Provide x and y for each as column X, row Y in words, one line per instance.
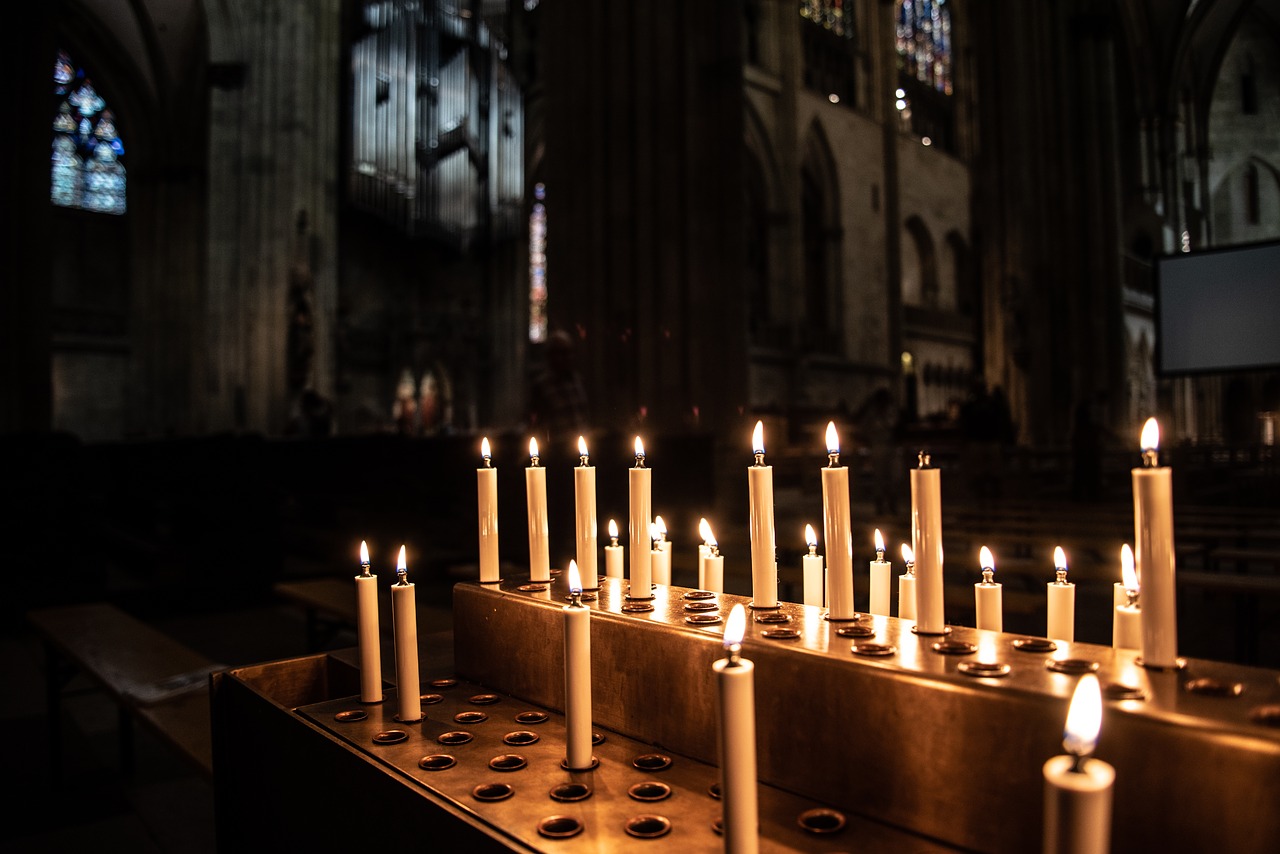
column 558, row 396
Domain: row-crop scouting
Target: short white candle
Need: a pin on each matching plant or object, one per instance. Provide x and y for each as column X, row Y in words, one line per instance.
column 907, row 586
column 659, row 559
column 367, row 631
column 1061, row 623
column 711, row 565
column 1126, row 629
column 926, row 545
column 811, row 565
column 586, row 529
column 1077, row 792
column 1153, row 552
column 987, row 595
column 736, row 683
column 487, row 501
column 837, row 531
column 535, row 483
column 640, row 552
column 764, row 552
column 577, row 676
column 404, row 623
column 660, row 529
column 614, row 556
column 880, row 572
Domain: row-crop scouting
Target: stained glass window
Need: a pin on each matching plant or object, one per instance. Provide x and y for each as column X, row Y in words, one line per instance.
column 538, row 266
column 86, row 169
column 833, row 15
column 923, row 35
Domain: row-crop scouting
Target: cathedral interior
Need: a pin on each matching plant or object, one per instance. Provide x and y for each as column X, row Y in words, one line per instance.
column 276, row 270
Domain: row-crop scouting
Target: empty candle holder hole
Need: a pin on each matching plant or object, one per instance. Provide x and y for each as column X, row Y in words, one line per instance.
column 470, row 718
column 954, row 647
column 1266, row 715
column 874, row 649
column 979, row 669
column 597, row 738
column 1034, row 645
column 636, row 607
column 350, row 716
column 531, row 588
column 652, row 761
column 856, row 632
column 1207, row 687
column 560, row 826
column 570, row 792
column 492, row 792
column 702, row 606
column 484, row 699
column 648, row 826
column 508, row 762
column 780, row 634
column 772, row 617
column 431, row 699
column 532, row 718
column 443, row 683
column 391, row 736
column 703, row 619
column 650, row 790
column 717, row 826
column 821, row 821
column 1071, row 665
column 454, row 738
column 520, row 738
column 695, row 595
column 437, row 762
column 1120, row 691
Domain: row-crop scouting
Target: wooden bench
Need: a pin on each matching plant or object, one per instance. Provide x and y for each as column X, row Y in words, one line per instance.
column 150, row 676
column 329, row 605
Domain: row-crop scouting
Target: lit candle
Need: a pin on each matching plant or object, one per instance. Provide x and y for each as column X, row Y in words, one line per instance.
column 1126, row 629
column 764, row 557
column 1062, row 601
column 987, row 595
column 880, row 571
column 367, row 631
column 735, row 679
column 926, row 545
column 613, row 553
column 404, row 623
column 535, row 484
column 584, row 494
column 812, row 565
column 577, row 676
column 660, row 558
column 907, row 586
column 1077, row 792
column 487, row 496
column 1153, row 552
column 641, row 551
column 711, row 565
column 838, row 535
column 661, row 528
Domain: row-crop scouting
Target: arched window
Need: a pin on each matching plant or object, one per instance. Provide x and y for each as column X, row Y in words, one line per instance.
column 1252, row 195
column 86, row 169
column 538, row 266
column 923, row 35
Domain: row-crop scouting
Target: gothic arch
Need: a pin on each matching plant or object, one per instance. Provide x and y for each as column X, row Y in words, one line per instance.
column 760, row 206
column 919, row 265
column 821, row 237
column 1230, row 205
column 955, row 279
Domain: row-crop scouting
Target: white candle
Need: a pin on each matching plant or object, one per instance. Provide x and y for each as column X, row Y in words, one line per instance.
column 1126, row 628
column 641, row 547
column 1061, row 623
column 577, row 676
column 585, row 526
column 880, row 571
column 535, row 484
column 811, row 565
column 907, row 586
column 735, row 680
column 660, row 530
column 367, row 631
column 1077, row 791
column 764, row 553
column 487, row 499
column 926, row 545
column 613, row 553
column 1153, row 552
column 711, row 565
column 404, row 622
column 837, row 531
column 659, row 559
column 987, row 595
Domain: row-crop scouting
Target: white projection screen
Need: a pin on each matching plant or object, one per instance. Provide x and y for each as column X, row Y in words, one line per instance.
column 1218, row 310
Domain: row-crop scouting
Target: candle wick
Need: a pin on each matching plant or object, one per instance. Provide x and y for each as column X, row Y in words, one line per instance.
column 813, row 550
column 1151, row 458
column 1131, row 597
column 923, row 460
column 911, row 568
column 1061, row 576
column 402, row 578
column 639, row 461
column 1077, row 763
column 735, row 655
column 583, row 458
column 488, row 462
column 833, row 459
column 575, row 598
column 364, row 570
column 759, row 458
column 879, row 555
column 533, row 462
column 715, row 551
column 988, row 575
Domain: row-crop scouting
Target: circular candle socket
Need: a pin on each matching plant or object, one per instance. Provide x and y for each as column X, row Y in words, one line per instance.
column 1206, row 687
column 455, row 737
column 821, row 821
column 595, row 763
column 442, row 683
column 717, row 826
column 772, row 617
column 532, row 718
column 520, row 738
column 484, row 699
column 1074, row 666
column 632, row 607
column 946, row 630
column 695, row 595
column 555, row 573
column 437, row 762
column 597, row 738
column 648, row 826
column 954, row 647
column 649, row 790
column 390, row 736
column 472, row 717
column 1178, row 664
column 396, row 717
column 508, row 762
column 560, row 826
column 754, row 607
column 856, row 632
column 850, row 619
column 1120, row 691
column 492, row 792
column 570, row 792
column 431, row 699
column 630, row 597
column 714, row 791
column 780, row 634
column 1266, row 715
column 702, row 606
column 652, row 761
column 703, row 619
column 877, row 649
column 531, row 588
column 1034, row 645
column 350, row 716
column 978, row 669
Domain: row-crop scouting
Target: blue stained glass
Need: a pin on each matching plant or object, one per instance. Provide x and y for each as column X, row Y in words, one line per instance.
column 84, row 174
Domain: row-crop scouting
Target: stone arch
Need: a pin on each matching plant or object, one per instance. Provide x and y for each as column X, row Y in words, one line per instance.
column 821, row 238
column 919, row 265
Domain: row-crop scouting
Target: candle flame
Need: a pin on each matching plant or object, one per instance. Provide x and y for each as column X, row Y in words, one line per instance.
column 575, row 579
column 809, row 536
column 1150, row 440
column 660, row 526
column 484, row 447
column 364, row 552
column 985, row 559
column 1084, row 717
column 833, row 439
column 533, row 446
column 1128, row 574
column 757, row 438
column 879, row 541
column 582, row 447
column 907, row 554
column 613, row 529
column 1059, row 557
column 639, row 447
column 736, row 626
column 401, row 566
column 704, row 531
column 653, row 531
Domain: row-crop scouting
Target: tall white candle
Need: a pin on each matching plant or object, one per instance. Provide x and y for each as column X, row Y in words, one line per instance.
column 736, row 683
column 837, row 531
column 926, row 544
column 907, row 585
column 711, row 565
column 367, row 631
column 640, row 552
column 1061, row 623
column 880, row 571
column 987, row 595
column 487, row 500
column 1126, row 628
column 404, row 622
column 535, row 483
column 659, row 559
column 613, row 554
column 577, row 676
column 811, row 565
column 1077, row 791
column 1153, row 552
column 585, row 527
column 764, row 553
